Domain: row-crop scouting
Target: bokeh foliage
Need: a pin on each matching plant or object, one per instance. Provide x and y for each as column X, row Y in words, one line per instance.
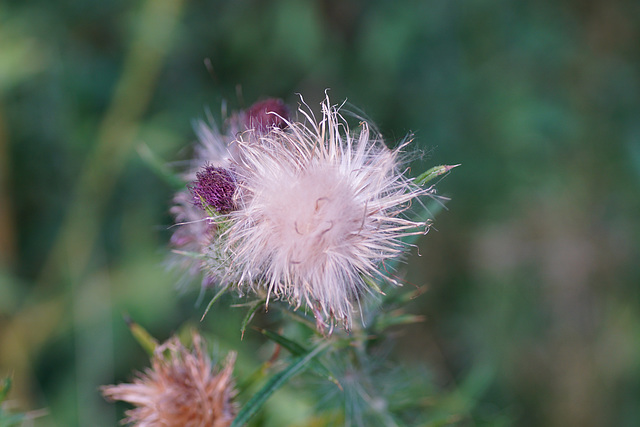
column 532, row 302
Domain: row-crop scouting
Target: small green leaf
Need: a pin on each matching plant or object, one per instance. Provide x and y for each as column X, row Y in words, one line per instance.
column 275, row 382
column 214, row 299
column 372, row 284
column 434, row 172
column 144, row 338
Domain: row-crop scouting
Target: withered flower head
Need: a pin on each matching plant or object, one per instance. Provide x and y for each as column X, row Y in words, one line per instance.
column 181, row 389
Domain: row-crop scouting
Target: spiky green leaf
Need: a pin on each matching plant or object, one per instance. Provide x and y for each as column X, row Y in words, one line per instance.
column 432, row 173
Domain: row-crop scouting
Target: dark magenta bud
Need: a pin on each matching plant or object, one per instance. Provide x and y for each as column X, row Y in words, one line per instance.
column 214, row 188
column 267, row 114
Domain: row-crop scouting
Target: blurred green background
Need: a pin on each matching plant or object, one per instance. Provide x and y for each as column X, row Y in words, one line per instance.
column 533, row 273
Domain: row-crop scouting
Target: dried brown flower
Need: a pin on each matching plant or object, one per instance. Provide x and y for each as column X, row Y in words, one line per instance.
column 181, row 389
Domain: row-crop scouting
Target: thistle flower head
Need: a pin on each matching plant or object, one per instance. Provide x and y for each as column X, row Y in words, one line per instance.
column 318, row 209
column 181, row 389
column 213, row 189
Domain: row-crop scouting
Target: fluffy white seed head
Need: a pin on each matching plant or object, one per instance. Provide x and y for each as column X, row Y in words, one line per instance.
column 319, row 209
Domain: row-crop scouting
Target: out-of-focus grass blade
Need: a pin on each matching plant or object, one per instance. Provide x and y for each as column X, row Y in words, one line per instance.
column 144, row 338
column 432, row 173
column 275, row 382
column 159, row 167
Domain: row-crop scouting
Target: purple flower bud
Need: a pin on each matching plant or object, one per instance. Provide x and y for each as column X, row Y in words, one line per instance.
column 214, row 188
column 267, row 114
